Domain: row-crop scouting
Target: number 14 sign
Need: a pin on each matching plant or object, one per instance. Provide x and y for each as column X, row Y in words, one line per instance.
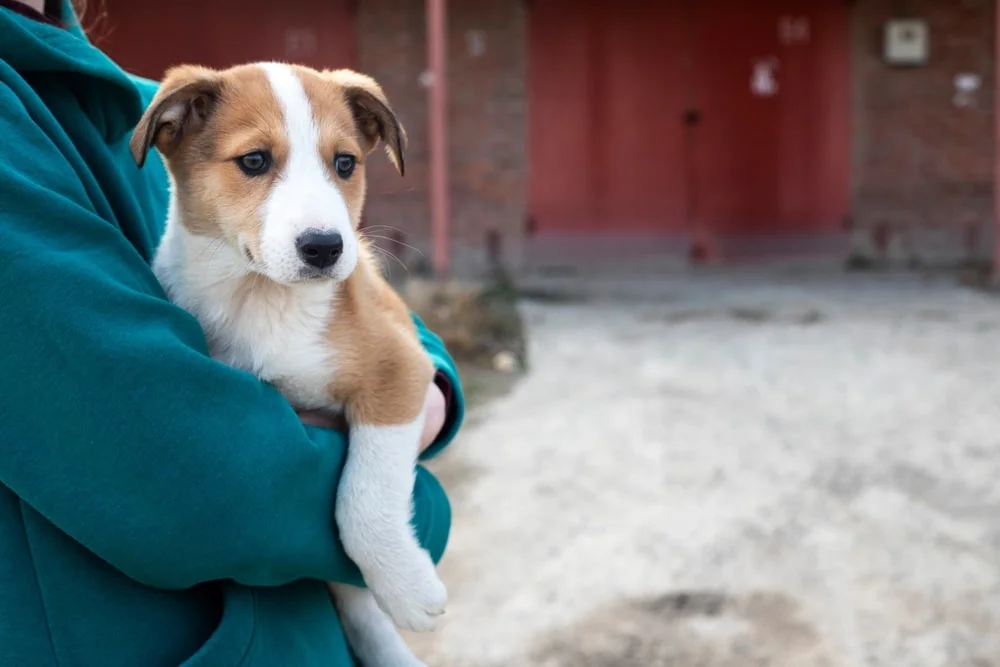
column 793, row 30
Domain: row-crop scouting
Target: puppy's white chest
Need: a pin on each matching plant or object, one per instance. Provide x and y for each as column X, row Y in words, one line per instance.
column 283, row 341
column 277, row 332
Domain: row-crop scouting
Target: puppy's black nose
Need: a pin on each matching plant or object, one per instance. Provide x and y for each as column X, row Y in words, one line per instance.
column 320, row 249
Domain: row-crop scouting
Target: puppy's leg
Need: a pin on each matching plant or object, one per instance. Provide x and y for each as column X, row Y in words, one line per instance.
column 373, row 512
column 371, row 634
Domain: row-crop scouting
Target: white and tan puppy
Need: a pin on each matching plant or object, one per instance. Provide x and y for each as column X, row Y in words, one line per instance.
column 267, row 168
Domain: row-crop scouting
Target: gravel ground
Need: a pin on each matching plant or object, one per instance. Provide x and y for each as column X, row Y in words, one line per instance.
column 743, row 468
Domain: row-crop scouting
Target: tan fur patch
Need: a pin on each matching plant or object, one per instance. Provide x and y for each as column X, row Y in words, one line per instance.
column 384, row 372
column 218, row 199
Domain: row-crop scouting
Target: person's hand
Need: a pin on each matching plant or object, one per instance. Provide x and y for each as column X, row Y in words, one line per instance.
column 436, row 412
column 435, row 409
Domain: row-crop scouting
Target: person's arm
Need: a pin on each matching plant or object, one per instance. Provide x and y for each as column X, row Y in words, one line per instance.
column 118, row 428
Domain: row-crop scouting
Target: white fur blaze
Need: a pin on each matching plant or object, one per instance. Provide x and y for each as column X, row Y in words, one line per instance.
column 304, row 197
column 369, row 631
column 373, row 512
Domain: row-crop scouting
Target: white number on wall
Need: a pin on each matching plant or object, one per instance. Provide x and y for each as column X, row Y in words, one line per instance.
column 793, row 30
column 300, row 42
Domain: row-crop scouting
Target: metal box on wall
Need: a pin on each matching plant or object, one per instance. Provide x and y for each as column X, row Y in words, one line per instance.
column 906, row 42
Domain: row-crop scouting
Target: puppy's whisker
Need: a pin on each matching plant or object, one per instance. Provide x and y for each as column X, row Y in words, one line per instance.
column 397, row 242
column 385, row 254
column 386, row 228
column 380, row 259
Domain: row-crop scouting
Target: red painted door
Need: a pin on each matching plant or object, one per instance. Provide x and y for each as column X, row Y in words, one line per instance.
column 606, row 90
column 765, row 165
column 771, row 148
column 148, row 37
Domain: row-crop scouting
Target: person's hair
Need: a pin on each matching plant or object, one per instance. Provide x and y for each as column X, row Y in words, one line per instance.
column 54, row 8
column 93, row 17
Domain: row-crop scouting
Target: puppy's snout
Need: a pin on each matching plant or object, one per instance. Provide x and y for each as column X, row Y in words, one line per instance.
column 320, row 250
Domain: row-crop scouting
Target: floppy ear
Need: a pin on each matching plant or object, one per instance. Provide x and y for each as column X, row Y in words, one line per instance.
column 372, row 114
column 180, row 108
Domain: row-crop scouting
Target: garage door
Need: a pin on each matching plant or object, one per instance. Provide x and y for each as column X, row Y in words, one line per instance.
column 772, row 141
column 606, row 94
column 726, row 121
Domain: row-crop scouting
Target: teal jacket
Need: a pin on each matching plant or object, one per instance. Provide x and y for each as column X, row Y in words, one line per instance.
column 156, row 508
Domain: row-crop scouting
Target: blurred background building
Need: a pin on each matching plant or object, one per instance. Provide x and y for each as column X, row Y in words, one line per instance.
column 701, row 130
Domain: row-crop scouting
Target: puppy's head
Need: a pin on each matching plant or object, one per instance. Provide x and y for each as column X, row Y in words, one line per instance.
column 268, row 159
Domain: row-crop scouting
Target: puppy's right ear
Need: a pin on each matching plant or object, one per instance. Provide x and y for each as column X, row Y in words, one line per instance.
column 374, row 117
column 180, row 108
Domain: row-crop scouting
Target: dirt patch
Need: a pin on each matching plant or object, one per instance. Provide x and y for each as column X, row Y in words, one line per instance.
column 747, row 314
column 680, row 629
column 689, row 629
column 688, row 604
column 550, row 295
column 978, row 275
column 751, row 314
column 681, row 316
column 761, row 315
column 934, row 315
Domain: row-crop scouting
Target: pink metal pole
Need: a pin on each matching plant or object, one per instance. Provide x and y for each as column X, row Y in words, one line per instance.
column 437, row 55
column 996, row 159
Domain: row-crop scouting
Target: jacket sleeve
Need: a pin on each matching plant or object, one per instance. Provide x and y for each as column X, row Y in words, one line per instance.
column 117, row 426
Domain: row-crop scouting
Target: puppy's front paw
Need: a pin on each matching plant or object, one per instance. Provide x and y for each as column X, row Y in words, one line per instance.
column 413, row 597
column 419, row 608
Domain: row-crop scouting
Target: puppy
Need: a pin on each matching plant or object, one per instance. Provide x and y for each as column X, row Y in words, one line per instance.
column 267, row 171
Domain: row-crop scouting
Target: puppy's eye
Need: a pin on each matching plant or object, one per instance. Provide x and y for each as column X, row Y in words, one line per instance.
column 255, row 163
column 344, row 165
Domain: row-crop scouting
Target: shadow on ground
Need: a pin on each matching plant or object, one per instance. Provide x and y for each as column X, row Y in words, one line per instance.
column 684, row 629
column 697, row 629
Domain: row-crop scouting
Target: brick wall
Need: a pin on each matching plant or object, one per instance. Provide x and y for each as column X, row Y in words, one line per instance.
column 487, row 122
column 923, row 166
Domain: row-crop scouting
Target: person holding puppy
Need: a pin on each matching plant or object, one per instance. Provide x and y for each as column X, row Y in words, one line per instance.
column 156, row 507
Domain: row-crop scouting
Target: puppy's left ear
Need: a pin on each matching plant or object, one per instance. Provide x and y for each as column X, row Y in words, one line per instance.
column 373, row 116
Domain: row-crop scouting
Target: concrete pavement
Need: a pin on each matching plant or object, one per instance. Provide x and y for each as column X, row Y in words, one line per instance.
column 784, row 468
